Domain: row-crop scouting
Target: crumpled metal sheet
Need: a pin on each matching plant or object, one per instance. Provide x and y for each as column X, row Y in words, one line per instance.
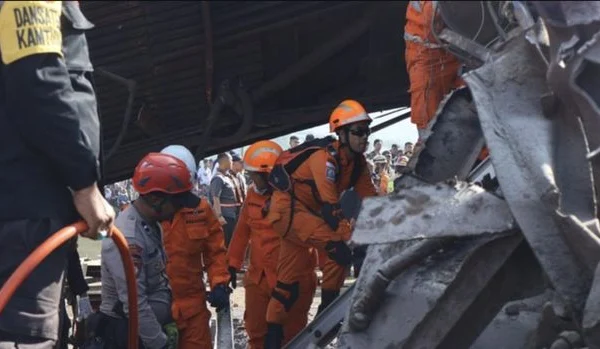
column 454, row 138
column 424, row 210
column 436, row 291
column 507, row 92
column 569, row 13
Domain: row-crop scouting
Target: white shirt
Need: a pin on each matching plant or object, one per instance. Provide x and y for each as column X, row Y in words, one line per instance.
column 204, row 176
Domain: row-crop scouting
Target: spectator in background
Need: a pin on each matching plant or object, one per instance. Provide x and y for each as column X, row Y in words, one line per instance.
column 107, row 193
column 309, row 137
column 371, row 168
column 377, row 149
column 382, row 172
column 408, row 149
column 294, row 141
column 225, row 195
column 395, row 152
column 388, row 156
column 122, row 203
column 238, row 170
column 204, row 176
column 400, row 165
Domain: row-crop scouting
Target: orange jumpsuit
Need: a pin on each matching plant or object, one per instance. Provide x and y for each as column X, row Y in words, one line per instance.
column 194, row 242
column 308, row 229
column 255, row 231
column 432, row 70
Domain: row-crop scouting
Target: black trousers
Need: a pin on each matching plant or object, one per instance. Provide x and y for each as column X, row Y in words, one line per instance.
column 32, row 314
column 228, row 229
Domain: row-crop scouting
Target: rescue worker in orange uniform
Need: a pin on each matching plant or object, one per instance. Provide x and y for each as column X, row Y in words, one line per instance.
column 194, row 242
column 254, row 231
column 305, row 210
column 432, row 70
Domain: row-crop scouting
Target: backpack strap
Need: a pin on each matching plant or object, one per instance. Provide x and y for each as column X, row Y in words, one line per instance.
column 357, row 171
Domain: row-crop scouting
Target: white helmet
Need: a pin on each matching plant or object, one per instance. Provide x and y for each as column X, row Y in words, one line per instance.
column 183, row 154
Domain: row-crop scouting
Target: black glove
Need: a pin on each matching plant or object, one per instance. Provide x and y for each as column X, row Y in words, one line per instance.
column 358, row 257
column 339, row 252
column 232, row 277
column 274, row 336
column 327, row 297
column 219, row 297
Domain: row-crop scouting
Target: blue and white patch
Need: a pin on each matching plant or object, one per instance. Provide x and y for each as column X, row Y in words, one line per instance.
column 330, row 171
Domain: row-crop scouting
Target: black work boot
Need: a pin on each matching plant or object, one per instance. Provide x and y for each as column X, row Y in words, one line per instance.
column 327, row 297
column 274, row 336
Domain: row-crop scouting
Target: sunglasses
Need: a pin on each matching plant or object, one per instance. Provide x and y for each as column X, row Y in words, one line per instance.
column 360, row 132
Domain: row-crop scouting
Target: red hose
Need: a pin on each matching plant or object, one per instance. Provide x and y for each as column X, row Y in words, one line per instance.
column 57, row 240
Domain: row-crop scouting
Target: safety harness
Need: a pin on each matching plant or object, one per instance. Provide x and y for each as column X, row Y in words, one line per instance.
column 289, row 161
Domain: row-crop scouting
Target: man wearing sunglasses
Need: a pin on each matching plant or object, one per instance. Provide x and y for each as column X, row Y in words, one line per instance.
column 308, row 213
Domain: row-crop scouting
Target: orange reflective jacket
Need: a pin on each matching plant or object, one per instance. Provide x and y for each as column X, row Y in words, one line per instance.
column 254, row 231
column 194, row 242
column 331, row 177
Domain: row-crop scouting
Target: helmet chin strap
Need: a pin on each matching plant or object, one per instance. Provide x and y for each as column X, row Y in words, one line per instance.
column 347, row 144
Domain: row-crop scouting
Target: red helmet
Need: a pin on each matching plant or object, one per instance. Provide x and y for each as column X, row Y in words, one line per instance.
column 163, row 173
column 158, row 172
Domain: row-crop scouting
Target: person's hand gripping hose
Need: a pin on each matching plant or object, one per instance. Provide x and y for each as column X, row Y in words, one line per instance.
column 95, row 211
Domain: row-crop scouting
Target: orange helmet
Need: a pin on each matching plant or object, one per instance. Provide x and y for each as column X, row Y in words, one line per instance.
column 261, row 156
column 348, row 112
column 158, row 172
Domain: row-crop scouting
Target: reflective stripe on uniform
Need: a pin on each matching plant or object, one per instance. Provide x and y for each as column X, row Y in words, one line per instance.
column 418, row 40
column 231, row 205
column 416, row 5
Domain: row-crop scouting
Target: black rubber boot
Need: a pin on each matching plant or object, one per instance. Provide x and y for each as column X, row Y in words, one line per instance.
column 327, row 297
column 274, row 336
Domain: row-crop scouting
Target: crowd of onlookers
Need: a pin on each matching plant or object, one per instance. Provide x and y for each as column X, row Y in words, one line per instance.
column 385, row 166
column 120, row 194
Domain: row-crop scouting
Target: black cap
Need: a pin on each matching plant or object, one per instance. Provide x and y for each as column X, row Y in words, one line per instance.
column 235, row 157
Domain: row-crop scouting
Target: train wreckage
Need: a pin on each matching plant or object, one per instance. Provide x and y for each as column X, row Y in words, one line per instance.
column 513, row 261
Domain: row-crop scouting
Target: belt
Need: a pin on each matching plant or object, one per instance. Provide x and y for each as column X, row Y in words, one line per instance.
column 231, row 205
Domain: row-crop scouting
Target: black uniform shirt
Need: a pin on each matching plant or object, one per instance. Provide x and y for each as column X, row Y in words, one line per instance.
column 49, row 127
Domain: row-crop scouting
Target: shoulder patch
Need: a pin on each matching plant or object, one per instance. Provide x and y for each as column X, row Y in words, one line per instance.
column 330, row 170
column 28, row 28
column 136, row 252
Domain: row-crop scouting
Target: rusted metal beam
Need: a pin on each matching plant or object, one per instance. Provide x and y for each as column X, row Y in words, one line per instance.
column 131, row 89
column 308, row 62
